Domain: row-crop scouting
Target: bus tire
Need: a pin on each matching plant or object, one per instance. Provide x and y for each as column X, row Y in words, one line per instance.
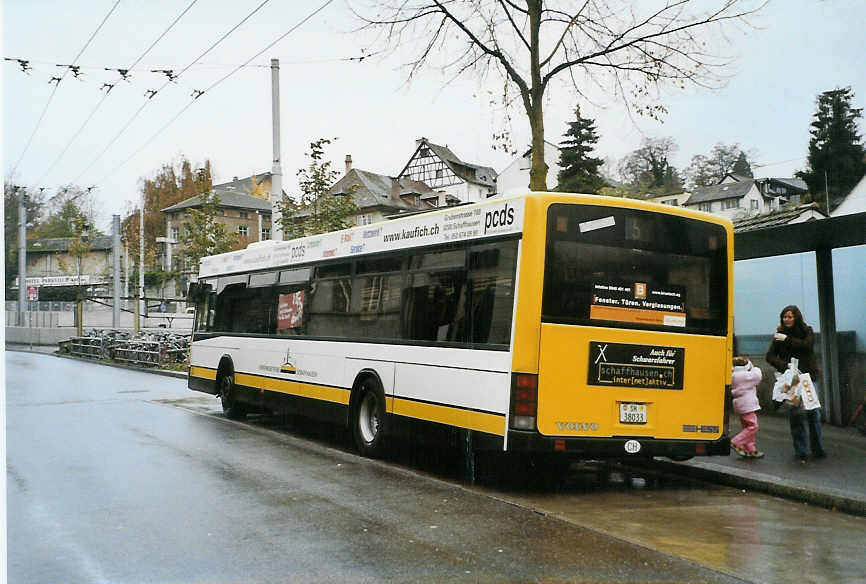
column 231, row 407
column 368, row 418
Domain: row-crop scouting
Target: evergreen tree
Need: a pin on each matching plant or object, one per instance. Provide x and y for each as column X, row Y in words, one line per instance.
column 837, row 159
column 579, row 172
column 742, row 166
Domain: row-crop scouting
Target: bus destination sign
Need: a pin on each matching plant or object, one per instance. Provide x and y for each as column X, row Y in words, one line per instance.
column 644, row 366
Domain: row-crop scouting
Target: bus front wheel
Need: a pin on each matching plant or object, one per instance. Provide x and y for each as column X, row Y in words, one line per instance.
column 368, row 420
column 231, row 408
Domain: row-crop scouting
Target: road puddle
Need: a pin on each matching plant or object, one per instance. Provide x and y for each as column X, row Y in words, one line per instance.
column 748, row 535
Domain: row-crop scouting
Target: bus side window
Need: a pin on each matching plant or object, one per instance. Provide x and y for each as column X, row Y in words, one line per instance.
column 491, row 274
column 435, row 305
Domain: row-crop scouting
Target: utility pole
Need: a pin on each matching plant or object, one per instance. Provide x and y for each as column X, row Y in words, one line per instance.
column 127, row 274
column 22, row 253
column 826, row 193
column 142, row 301
column 276, row 170
column 115, row 256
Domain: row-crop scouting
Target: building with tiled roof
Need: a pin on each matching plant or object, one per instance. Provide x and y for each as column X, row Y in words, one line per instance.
column 442, row 170
column 739, row 196
column 379, row 196
column 244, row 208
column 785, row 216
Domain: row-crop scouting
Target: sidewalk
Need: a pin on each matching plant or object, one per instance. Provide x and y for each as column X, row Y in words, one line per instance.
column 838, row 481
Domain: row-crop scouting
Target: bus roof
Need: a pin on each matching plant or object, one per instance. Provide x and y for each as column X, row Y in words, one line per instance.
column 477, row 221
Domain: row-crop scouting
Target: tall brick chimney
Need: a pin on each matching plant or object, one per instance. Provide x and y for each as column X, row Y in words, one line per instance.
column 348, row 163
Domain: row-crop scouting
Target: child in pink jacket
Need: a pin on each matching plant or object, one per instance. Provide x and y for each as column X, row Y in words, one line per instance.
column 744, row 383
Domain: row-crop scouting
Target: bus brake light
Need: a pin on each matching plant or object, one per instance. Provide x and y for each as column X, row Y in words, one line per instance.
column 524, row 401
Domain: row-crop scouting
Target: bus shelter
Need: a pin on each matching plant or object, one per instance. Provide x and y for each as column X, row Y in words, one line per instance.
column 821, row 236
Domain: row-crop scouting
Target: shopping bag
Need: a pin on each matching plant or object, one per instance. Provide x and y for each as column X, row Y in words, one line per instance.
column 807, row 392
column 786, row 387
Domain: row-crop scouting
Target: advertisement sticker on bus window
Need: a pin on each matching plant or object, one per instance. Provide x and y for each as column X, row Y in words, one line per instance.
column 643, row 366
column 290, row 310
column 638, row 302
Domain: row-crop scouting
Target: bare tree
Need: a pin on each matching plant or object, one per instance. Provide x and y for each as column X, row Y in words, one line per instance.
column 648, row 169
column 723, row 159
column 628, row 48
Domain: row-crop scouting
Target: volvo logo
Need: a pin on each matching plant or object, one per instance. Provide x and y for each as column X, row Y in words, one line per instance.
column 578, row 426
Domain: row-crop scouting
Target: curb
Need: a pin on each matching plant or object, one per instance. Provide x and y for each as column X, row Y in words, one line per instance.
column 176, row 374
column 756, row 481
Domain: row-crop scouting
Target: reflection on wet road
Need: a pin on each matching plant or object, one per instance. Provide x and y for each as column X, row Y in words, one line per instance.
column 747, row 535
column 122, row 476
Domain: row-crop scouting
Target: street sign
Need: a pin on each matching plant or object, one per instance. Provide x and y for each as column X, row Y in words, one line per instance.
column 32, row 293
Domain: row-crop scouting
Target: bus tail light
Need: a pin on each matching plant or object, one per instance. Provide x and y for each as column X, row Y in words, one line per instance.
column 524, row 401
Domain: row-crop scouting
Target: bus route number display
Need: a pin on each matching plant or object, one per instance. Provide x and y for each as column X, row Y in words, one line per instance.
column 643, row 366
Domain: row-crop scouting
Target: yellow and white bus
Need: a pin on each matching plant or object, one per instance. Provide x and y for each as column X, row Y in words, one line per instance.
column 591, row 326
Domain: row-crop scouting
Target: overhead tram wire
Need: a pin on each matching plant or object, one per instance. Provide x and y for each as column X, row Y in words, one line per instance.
column 147, row 100
column 235, row 70
column 104, row 97
column 56, row 85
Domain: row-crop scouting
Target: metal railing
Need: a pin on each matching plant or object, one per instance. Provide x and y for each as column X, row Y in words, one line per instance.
column 146, row 349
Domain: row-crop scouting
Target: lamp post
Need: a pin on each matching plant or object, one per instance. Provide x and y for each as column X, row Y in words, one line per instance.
column 80, row 252
column 22, row 252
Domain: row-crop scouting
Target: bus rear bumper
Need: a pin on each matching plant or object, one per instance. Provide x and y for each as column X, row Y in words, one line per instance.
column 618, row 447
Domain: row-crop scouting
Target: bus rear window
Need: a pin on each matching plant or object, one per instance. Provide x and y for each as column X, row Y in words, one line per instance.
column 628, row 268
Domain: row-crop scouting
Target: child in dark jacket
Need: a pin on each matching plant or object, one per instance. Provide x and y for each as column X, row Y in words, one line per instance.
column 744, row 383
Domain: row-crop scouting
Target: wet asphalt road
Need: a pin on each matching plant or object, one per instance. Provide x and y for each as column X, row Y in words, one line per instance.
column 122, row 476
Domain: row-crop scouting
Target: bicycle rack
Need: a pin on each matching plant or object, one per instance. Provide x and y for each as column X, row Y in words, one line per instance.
column 86, row 347
column 144, row 350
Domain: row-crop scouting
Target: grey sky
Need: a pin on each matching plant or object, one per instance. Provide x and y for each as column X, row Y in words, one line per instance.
column 798, row 49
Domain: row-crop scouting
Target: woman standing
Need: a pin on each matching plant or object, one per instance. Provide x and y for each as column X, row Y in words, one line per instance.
column 795, row 339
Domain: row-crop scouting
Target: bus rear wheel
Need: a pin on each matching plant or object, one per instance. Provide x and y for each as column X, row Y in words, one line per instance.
column 368, row 419
column 231, row 408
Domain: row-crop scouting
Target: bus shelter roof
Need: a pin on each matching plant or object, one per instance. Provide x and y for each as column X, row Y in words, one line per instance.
column 829, row 233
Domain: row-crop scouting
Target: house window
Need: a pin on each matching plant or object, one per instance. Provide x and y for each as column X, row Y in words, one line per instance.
column 754, row 205
column 730, row 203
column 243, row 214
column 222, row 212
column 705, row 207
column 266, row 233
column 672, row 202
column 175, row 233
column 243, row 231
column 364, row 219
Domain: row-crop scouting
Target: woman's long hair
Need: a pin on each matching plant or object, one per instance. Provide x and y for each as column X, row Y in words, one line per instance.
column 799, row 326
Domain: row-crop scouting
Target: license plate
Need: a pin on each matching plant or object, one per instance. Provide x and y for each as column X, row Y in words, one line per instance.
column 632, row 413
